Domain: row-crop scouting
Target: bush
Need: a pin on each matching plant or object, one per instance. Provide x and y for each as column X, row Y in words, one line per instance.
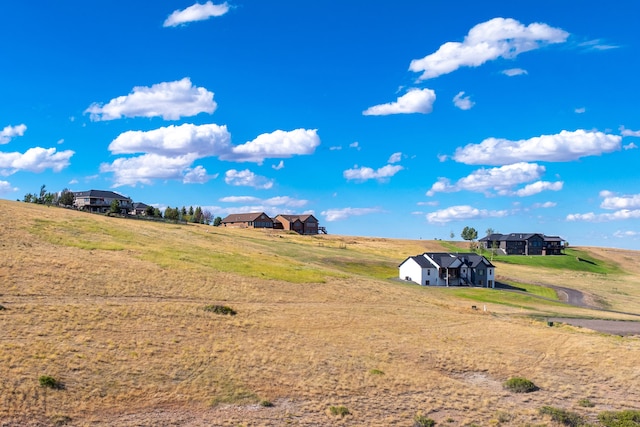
column 376, row 372
column 2, row 307
column 520, row 385
column 630, row 418
column 220, row 309
column 562, row 416
column 339, row 410
column 266, row 403
column 586, row 403
column 423, row 421
column 47, row 381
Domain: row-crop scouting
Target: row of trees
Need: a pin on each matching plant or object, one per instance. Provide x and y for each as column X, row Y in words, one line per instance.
column 64, row 198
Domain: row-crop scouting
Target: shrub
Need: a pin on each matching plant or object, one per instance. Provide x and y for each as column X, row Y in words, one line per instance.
column 376, row 372
column 339, row 410
column 2, row 307
column 570, row 419
column 266, row 403
column 586, row 403
column 629, row 418
column 423, row 421
column 47, row 381
column 220, row 309
column 520, row 385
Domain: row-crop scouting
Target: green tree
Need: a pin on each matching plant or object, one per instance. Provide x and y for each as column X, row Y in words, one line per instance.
column 470, row 234
column 217, row 221
column 197, row 216
column 29, row 198
column 66, row 198
column 150, row 211
column 115, row 206
column 157, row 213
column 452, row 235
column 490, row 231
column 172, row 214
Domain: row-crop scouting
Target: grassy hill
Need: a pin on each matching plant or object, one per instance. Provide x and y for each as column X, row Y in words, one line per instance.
column 114, row 310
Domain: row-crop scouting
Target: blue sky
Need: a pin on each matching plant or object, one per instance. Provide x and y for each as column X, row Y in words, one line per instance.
column 407, row 119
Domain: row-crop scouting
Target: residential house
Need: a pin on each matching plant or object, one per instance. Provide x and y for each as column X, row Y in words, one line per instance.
column 301, row 224
column 446, row 269
column 248, row 220
column 139, row 209
column 99, row 201
column 524, row 243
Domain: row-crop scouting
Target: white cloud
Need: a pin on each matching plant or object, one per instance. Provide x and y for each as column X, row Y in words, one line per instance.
column 345, row 213
column 500, row 179
column 355, row 145
column 366, row 173
column 539, row 187
column 464, row 212
column 562, row 147
column 605, row 217
column 248, row 179
column 512, row 72
column 278, row 144
column 395, row 158
column 628, row 233
column 197, row 12
column 335, row 148
column 414, row 101
column 197, row 175
column 10, row 132
column 580, row 110
column 170, row 100
column 630, row 146
column 278, row 166
column 612, row 201
column 5, row 187
column 201, row 141
column 35, row 159
column 629, row 132
column 143, row 169
column 496, row 38
column 463, row 102
column 544, row 205
column 597, row 44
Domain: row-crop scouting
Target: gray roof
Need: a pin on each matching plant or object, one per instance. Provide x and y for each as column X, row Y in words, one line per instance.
column 140, row 205
column 515, row 237
column 444, row 259
column 293, row 218
column 420, row 260
column 244, row 217
column 100, row 193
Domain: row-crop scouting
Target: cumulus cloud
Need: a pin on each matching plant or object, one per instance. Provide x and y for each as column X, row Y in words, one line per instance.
column 496, row 38
column 10, row 132
column 271, row 202
column 355, row 145
column 278, row 144
column 331, row 215
column 512, row 72
column 365, row 173
column 627, row 233
column 197, row 175
column 35, row 159
column 605, row 217
column 611, row 201
column 562, row 147
column 544, row 205
column 200, row 141
column 278, row 166
column 248, row 179
column 462, row 212
column 5, row 187
column 629, row 132
column 500, row 180
column 539, row 187
column 414, row 101
column 144, row 169
column 630, row 146
column 463, row 102
column 197, row 12
column 170, row 100
column 395, row 158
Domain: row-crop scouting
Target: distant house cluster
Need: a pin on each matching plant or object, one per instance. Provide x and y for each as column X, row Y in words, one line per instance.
column 446, row 269
column 301, row 224
column 524, row 244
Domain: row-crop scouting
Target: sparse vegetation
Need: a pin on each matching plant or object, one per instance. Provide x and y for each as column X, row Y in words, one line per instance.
column 520, row 385
column 2, row 307
column 220, row 309
column 586, row 403
column 339, row 411
column 423, row 421
column 562, row 416
column 48, row 381
column 628, row 418
column 266, row 403
column 376, row 372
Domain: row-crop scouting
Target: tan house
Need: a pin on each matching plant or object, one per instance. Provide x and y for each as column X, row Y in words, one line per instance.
column 301, row 224
column 100, row 201
column 248, row 220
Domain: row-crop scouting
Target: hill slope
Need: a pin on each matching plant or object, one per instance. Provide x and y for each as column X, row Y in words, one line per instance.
column 114, row 310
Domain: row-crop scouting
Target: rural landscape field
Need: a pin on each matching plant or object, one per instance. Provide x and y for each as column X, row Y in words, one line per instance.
column 113, row 321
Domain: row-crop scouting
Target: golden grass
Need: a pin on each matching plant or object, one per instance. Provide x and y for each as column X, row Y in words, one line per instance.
column 114, row 309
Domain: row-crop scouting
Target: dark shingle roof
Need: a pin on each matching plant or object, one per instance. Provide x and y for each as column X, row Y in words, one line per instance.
column 244, row 217
column 100, row 193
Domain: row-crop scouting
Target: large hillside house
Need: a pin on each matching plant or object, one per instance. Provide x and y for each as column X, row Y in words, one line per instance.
column 523, row 244
column 446, row 269
column 301, row 224
column 99, row 201
column 248, row 220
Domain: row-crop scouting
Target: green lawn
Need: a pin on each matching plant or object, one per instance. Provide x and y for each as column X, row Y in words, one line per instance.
column 572, row 259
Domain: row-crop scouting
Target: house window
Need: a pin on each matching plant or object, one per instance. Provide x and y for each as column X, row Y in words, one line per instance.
column 480, row 272
column 427, row 283
column 428, row 272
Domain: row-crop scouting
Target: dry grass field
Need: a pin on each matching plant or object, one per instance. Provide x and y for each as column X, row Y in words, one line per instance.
column 113, row 309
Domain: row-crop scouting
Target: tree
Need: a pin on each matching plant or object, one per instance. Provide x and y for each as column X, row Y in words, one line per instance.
column 150, row 211
column 470, row 234
column 115, row 206
column 207, row 216
column 196, row 216
column 452, row 235
column 217, row 221
column 29, row 198
column 172, row 214
column 490, row 231
column 157, row 213
column 66, row 198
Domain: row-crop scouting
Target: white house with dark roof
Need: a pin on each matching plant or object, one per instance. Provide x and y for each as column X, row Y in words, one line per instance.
column 446, row 269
